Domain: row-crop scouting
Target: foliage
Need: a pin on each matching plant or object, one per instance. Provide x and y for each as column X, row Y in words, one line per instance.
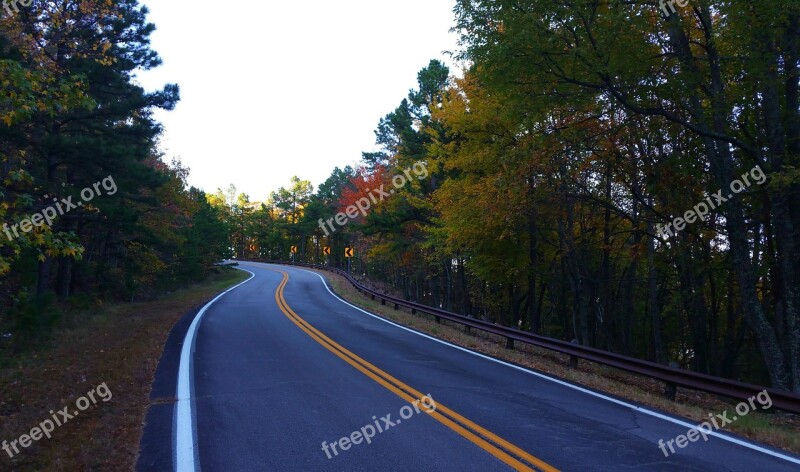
column 573, row 134
column 71, row 118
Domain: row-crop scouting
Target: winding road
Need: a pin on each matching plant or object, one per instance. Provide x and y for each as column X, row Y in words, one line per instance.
column 279, row 374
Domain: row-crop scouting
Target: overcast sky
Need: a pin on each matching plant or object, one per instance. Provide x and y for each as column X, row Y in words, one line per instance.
column 270, row 90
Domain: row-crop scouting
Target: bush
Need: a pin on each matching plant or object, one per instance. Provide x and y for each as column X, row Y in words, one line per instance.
column 32, row 318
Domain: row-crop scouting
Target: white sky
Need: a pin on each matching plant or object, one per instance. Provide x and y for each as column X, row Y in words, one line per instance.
column 275, row 89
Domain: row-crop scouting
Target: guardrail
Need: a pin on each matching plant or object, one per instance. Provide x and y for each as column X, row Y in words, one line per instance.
column 671, row 376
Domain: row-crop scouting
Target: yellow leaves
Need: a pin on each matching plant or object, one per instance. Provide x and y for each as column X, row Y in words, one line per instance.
column 103, row 50
column 27, row 91
column 68, row 249
column 106, row 61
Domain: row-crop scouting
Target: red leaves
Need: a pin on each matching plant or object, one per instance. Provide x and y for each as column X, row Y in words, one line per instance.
column 363, row 184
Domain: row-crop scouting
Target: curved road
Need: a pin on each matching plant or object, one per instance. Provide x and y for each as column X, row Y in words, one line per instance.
column 279, row 374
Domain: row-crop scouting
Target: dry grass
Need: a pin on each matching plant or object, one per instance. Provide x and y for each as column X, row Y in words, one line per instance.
column 116, row 344
column 772, row 427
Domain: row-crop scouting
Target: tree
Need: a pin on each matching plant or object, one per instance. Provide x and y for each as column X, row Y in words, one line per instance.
column 683, row 70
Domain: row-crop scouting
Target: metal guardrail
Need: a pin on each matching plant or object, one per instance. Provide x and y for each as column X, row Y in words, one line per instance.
column 672, row 377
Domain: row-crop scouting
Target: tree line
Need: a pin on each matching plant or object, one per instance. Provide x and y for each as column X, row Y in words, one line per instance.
column 573, row 135
column 90, row 210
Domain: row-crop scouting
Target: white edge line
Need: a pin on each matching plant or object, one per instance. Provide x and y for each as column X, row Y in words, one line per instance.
column 184, row 439
column 567, row 384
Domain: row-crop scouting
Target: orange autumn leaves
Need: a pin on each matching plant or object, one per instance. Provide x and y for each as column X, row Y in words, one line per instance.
column 362, row 185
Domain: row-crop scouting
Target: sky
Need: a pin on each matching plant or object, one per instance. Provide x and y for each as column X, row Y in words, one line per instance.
column 270, row 90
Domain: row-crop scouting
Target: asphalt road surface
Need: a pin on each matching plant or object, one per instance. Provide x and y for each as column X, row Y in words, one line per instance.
column 278, row 374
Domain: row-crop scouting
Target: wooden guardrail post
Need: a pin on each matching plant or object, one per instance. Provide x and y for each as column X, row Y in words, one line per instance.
column 573, row 360
column 509, row 343
column 670, row 389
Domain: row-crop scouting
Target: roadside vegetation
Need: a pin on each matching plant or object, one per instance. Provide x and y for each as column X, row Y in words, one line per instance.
column 119, row 344
column 90, row 210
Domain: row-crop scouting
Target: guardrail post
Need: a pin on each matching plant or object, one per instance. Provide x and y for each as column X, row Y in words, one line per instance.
column 670, row 389
column 438, row 320
column 509, row 343
column 413, row 311
column 383, row 301
column 573, row 360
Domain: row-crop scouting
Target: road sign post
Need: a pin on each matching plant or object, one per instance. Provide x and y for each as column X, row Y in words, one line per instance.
column 326, row 250
column 349, row 253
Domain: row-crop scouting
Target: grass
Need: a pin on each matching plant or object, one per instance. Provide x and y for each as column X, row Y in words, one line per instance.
column 772, row 427
column 117, row 344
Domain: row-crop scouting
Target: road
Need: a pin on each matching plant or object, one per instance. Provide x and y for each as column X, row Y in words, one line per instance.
column 279, row 374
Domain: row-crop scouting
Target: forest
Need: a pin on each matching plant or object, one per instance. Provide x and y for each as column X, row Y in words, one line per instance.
column 615, row 173
column 91, row 212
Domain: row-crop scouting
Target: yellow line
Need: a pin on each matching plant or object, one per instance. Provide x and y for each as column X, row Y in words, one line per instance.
column 410, row 394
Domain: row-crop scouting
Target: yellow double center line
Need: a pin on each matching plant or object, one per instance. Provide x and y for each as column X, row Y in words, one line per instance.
column 483, row 438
